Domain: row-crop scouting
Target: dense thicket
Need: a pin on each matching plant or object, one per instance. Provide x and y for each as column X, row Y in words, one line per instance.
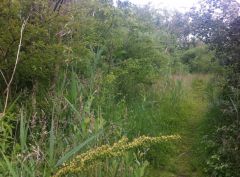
column 85, row 71
column 91, row 71
column 217, row 23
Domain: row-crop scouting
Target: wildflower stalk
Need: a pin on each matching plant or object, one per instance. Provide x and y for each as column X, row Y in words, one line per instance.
column 89, row 158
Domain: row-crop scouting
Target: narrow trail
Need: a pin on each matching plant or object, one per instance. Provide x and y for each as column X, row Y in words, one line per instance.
column 184, row 162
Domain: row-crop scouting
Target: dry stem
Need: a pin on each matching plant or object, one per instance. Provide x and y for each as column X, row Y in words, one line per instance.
column 14, row 69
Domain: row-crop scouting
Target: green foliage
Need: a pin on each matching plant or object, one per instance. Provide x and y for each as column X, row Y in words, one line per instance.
column 221, row 147
column 200, row 60
column 40, row 50
column 7, row 130
column 221, row 32
column 224, row 152
column 133, row 77
column 89, row 73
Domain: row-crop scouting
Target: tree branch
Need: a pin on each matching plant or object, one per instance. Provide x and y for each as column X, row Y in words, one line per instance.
column 14, row 69
column 4, row 78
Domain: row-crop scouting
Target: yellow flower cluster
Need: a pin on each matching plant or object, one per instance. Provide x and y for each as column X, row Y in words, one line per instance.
column 89, row 158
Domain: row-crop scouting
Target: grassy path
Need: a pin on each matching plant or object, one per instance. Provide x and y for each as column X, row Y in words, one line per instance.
column 184, row 162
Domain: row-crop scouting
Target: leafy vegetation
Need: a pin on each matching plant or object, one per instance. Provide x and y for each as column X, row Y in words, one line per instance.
column 79, row 78
column 223, row 146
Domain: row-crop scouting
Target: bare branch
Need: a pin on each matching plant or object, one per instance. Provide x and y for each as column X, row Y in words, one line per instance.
column 4, row 78
column 15, row 67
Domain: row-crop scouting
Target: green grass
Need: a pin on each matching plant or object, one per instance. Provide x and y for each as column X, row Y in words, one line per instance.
column 172, row 105
column 184, row 159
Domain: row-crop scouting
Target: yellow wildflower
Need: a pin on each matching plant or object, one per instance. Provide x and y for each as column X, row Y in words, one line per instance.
column 89, row 158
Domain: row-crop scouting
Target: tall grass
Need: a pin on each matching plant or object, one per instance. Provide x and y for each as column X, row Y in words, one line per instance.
column 40, row 141
column 80, row 114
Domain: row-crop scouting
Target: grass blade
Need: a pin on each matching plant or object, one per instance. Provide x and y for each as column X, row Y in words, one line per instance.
column 76, row 149
column 10, row 167
column 51, row 143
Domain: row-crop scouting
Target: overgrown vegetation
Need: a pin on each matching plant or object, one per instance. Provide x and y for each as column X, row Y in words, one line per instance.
column 77, row 76
column 220, row 29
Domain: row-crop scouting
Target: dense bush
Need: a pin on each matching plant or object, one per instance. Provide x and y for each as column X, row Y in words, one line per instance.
column 86, row 70
column 91, row 72
column 199, row 59
column 221, row 32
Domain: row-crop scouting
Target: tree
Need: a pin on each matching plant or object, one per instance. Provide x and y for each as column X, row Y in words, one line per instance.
column 41, row 46
column 217, row 23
